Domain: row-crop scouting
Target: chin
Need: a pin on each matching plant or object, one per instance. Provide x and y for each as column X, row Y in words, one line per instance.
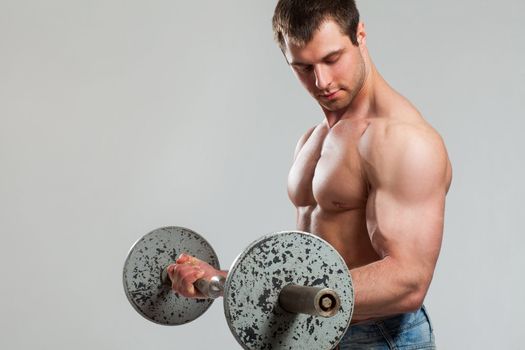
column 335, row 106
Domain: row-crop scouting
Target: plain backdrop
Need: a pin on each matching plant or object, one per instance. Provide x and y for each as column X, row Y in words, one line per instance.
column 118, row 117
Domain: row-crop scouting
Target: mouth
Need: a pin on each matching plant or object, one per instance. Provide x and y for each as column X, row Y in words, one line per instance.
column 329, row 96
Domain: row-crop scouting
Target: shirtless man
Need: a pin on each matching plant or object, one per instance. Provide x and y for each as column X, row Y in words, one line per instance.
column 371, row 178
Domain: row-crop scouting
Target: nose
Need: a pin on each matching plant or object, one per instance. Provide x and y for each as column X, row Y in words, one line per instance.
column 323, row 78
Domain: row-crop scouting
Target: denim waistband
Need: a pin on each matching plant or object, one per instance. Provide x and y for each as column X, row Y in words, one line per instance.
column 411, row 330
column 398, row 322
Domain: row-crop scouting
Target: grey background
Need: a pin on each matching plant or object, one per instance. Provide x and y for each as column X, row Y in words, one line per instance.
column 118, row 117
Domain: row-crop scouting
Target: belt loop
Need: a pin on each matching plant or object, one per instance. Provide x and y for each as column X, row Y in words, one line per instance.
column 424, row 309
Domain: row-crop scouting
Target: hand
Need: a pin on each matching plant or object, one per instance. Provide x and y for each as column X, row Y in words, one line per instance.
column 186, row 270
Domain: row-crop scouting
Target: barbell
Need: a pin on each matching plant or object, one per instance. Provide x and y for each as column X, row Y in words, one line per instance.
column 287, row 290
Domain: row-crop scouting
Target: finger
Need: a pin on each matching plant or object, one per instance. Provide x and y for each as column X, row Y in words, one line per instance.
column 184, row 278
column 171, row 271
column 178, row 273
column 191, row 288
column 174, row 272
column 183, row 258
column 200, row 274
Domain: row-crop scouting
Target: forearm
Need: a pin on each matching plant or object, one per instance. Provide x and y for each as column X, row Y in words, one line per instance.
column 385, row 288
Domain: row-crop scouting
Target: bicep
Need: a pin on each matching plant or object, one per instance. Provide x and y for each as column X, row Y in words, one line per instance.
column 405, row 210
column 409, row 231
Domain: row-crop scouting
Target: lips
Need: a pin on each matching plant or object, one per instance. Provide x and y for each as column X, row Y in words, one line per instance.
column 329, row 96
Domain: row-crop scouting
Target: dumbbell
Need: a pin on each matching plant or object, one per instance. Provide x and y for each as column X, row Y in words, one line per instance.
column 287, row 290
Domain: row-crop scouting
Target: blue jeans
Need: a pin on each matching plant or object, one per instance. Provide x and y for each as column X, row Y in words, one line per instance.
column 409, row 331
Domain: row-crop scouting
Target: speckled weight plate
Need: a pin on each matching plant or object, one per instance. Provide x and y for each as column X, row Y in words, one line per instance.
column 142, row 275
column 258, row 274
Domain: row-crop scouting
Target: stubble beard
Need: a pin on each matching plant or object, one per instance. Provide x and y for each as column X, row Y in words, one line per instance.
column 351, row 92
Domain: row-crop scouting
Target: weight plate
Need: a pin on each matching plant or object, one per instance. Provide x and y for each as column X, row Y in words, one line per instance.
column 256, row 278
column 145, row 262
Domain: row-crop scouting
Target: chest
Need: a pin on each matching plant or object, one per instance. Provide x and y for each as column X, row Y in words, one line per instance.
column 328, row 172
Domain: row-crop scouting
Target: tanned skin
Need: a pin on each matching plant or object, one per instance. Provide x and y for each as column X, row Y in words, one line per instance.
column 370, row 178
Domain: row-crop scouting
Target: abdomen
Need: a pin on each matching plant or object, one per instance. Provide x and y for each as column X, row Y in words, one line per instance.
column 345, row 230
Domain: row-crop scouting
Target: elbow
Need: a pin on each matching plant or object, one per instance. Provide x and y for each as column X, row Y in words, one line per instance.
column 415, row 287
column 415, row 292
column 412, row 286
column 414, row 300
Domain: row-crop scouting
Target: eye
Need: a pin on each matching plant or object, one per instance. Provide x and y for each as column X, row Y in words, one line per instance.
column 307, row 68
column 304, row 68
column 332, row 60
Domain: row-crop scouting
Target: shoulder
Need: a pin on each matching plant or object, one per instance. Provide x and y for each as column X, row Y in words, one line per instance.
column 304, row 138
column 405, row 152
column 307, row 134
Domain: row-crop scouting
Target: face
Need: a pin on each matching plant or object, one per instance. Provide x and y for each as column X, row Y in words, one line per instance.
column 329, row 66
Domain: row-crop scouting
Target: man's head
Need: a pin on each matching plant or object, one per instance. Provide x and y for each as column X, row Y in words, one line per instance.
column 322, row 41
column 297, row 20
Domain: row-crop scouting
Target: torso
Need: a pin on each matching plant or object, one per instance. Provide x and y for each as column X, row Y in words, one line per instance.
column 329, row 182
column 329, row 187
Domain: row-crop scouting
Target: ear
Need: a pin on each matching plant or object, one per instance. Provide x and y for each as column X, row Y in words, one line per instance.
column 361, row 34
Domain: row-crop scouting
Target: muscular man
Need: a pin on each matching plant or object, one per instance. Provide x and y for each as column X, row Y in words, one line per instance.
column 370, row 178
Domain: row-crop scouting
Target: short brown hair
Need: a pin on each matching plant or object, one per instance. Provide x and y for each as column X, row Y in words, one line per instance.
column 299, row 19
